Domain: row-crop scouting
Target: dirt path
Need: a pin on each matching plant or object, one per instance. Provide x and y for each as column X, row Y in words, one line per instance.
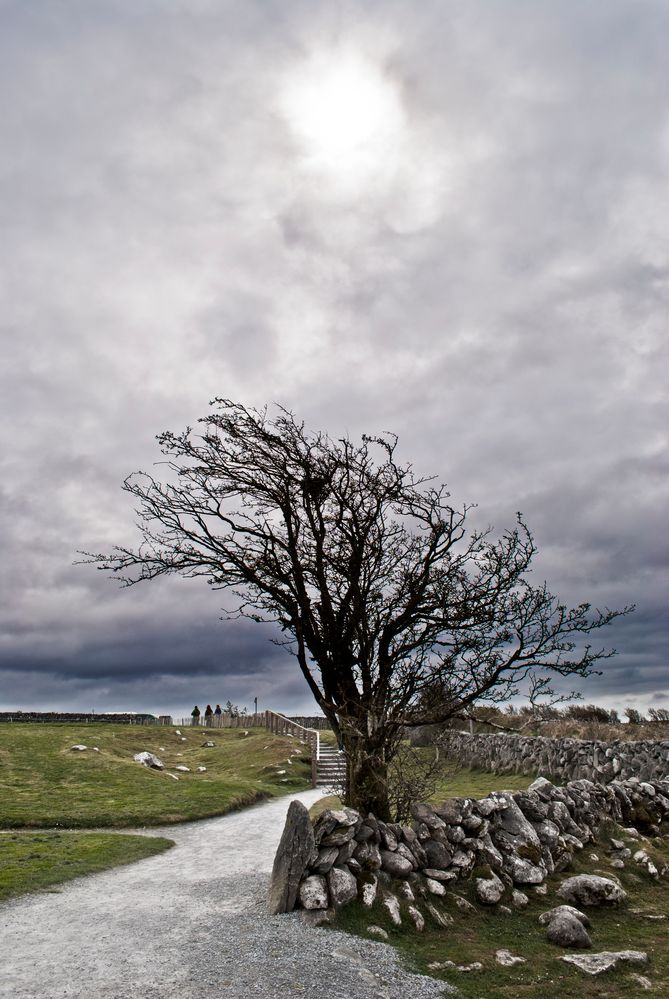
column 189, row 923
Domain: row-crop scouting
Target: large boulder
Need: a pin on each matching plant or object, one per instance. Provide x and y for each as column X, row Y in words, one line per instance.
column 592, row 890
column 295, row 849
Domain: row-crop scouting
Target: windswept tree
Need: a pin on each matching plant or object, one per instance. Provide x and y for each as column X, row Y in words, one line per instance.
column 379, row 588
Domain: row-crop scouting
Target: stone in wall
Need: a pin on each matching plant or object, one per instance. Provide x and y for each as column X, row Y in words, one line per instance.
column 508, row 839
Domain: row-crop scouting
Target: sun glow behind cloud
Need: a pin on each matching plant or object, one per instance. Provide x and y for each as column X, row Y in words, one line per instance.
column 347, row 117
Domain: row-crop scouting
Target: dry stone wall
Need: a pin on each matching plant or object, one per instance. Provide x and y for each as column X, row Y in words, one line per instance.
column 564, row 759
column 509, row 841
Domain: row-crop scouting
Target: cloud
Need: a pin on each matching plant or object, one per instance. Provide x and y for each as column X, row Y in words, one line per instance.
column 495, row 292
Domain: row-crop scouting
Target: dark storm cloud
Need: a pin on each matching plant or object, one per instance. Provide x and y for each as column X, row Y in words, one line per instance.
column 493, row 288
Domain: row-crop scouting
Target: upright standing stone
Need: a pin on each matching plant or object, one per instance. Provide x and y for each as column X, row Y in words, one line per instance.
column 292, row 856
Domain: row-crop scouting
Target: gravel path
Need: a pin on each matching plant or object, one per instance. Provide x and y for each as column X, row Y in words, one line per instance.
column 191, row 923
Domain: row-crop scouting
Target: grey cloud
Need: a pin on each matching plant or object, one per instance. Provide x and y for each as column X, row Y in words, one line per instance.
column 500, row 302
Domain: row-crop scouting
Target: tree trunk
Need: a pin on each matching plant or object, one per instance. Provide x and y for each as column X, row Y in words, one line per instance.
column 366, row 778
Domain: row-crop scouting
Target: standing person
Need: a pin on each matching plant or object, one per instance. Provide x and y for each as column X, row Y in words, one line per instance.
column 207, row 715
column 217, row 716
column 195, row 715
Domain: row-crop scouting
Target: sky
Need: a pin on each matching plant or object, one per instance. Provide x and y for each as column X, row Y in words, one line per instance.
column 444, row 220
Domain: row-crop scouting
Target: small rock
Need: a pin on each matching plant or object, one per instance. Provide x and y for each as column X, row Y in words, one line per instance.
column 395, row 864
column 405, row 890
column 644, row 982
column 566, row 930
column 436, row 875
column 519, row 899
column 173, row 776
column 592, row 890
column 434, row 887
column 546, row 917
column 617, row 844
column 618, row 865
column 202, row 770
column 314, row 892
column 541, row 890
column 368, row 893
column 149, row 760
column 463, row 905
column 392, row 907
column 489, row 890
column 597, row 964
column 183, row 738
column 177, row 732
column 476, row 966
column 505, row 910
column 507, row 959
column 95, row 749
column 416, row 918
column 442, row 919
column 343, row 886
column 594, row 857
column 208, row 745
column 377, row 931
column 183, row 769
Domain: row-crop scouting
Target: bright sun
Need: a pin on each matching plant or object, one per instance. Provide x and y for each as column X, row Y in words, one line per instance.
column 346, row 114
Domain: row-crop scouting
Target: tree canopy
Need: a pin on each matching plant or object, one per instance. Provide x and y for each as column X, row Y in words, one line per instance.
column 397, row 613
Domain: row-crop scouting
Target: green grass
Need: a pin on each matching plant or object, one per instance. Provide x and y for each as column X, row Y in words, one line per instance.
column 43, row 783
column 36, row 861
column 476, row 937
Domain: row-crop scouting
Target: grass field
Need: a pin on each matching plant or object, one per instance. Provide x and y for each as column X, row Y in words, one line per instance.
column 31, row 861
column 476, row 937
column 43, row 783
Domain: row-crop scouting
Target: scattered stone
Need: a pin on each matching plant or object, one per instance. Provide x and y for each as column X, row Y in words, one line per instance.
column 377, row 931
column 592, row 890
column 149, row 760
column 292, row 856
column 488, row 890
column 183, row 769
column 594, row 857
column 546, row 917
column 173, row 776
column 202, row 770
column 566, row 930
column 208, row 745
column 313, row 891
column 96, row 750
column 541, row 890
column 184, row 739
column 507, row 959
column 597, row 964
column 641, row 980
column 177, row 732
column 435, row 887
column 80, row 749
column 519, row 899
column 618, row 865
column 505, row 910
column 617, row 844
column 476, row 966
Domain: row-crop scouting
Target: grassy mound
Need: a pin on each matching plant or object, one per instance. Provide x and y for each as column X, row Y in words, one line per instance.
column 43, row 783
column 36, row 861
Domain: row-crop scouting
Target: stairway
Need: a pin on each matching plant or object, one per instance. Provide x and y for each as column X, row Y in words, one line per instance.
column 330, row 768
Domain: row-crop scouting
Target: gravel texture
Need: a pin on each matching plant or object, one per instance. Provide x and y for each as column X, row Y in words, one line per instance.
column 191, row 922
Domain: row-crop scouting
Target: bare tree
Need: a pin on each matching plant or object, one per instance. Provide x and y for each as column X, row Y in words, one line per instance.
column 380, row 590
